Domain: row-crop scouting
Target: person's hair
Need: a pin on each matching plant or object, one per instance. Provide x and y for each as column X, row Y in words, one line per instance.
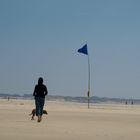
column 40, row 80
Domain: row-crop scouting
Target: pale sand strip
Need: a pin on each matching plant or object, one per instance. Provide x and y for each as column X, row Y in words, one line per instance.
column 69, row 121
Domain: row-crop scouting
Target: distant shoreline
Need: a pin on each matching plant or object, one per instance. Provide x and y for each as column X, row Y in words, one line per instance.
column 93, row 99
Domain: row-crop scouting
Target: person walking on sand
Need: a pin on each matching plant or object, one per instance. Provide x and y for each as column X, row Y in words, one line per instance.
column 40, row 91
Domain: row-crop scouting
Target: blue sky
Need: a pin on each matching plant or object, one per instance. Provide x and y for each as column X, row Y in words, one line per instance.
column 41, row 38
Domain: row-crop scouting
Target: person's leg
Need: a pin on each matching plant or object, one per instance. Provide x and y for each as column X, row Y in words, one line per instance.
column 42, row 105
column 37, row 105
column 40, row 108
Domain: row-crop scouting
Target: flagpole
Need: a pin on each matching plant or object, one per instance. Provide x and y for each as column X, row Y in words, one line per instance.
column 84, row 50
column 88, row 94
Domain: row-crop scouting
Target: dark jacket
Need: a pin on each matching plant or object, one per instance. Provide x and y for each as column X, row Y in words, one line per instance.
column 40, row 91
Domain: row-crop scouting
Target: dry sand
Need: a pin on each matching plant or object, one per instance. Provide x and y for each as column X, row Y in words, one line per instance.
column 69, row 121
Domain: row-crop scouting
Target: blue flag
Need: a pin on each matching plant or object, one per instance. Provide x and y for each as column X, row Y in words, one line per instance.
column 83, row 50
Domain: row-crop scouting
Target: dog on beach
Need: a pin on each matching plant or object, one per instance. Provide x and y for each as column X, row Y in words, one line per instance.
column 33, row 113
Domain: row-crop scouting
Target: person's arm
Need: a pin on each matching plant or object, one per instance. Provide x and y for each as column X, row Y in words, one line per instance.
column 46, row 91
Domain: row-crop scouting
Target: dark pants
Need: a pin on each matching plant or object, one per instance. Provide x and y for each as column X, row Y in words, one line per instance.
column 39, row 103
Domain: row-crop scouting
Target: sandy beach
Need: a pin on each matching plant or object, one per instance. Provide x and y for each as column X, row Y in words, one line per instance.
column 69, row 121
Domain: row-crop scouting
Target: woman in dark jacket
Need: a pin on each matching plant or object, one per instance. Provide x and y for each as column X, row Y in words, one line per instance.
column 40, row 91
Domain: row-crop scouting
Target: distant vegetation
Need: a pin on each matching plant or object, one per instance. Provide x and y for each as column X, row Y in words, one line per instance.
column 93, row 99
